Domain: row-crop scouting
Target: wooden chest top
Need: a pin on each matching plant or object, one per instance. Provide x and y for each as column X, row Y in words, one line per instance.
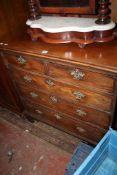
column 102, row 56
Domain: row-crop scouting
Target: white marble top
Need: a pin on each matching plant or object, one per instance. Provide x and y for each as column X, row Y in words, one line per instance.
column 54, row 24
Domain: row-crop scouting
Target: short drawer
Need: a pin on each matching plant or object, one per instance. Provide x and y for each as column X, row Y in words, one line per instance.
column 59, row 120
column 25, row 62
column 78, row 112
column 82, row 77
column 68, row 92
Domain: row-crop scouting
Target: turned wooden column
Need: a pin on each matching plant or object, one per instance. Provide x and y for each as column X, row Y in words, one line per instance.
column 34, row 9
column 104, row 12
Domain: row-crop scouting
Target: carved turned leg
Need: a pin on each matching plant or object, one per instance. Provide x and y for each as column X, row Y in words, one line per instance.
column 104, row 11
column 34, row 9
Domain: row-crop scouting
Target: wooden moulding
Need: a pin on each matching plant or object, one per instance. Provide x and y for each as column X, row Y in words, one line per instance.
column 81, row 38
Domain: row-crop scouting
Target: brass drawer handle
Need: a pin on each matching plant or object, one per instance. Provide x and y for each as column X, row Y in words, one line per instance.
column 54, row 99
column 77, row 74
column 38, row 111
column 50, row 83
column 21, row 60
column 27, row 78
column 81, row 113
column 80, row 129
column 33, row 95
column 78, row 95
column 57, row 116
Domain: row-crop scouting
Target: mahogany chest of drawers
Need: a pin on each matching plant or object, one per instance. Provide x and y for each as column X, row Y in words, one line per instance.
column 67, row 87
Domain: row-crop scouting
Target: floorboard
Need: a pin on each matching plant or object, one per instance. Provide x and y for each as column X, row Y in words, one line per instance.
column 46, row 132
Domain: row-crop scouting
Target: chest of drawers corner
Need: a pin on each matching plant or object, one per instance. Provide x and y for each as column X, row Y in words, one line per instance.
column 77, row 98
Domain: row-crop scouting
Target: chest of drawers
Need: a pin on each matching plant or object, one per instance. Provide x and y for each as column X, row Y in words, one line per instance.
column 67, row 87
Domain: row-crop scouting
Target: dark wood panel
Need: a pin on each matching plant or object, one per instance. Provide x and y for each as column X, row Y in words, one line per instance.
column 12, row 17
column 8, row 95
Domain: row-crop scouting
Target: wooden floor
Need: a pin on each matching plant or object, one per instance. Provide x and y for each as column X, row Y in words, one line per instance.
column 46, row 132
column 32, row 148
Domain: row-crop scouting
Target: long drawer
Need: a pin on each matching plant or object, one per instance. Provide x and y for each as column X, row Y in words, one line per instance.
column 68, row 92
column 59, row 120
column 101, row 119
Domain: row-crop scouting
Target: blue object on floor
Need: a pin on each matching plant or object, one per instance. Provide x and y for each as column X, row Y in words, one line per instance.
column 103, row 159
column 81, row 152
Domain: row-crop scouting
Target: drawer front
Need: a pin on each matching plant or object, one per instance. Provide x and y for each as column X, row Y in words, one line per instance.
column 95, row 117
column 101, row 119
column 25, row 62
column 68, row 92
column 79, row 129
column 81, row 77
